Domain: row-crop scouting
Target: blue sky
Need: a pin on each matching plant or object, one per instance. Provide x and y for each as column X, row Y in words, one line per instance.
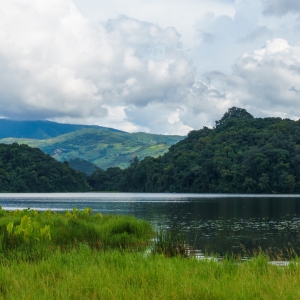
column 161, row 66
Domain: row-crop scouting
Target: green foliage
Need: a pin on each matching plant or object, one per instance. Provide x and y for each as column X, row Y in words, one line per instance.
column 26, row 169
column 87, row 274
column 170, row 244
column 28, row 230
column 82, row 165
column 74, row 268
column 27, row 234
column 242, row 154
column 232, row 113
column 101, row 147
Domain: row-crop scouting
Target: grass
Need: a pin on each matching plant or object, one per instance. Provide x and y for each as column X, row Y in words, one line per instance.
column 90, row 256
column 85, row 273
column 30, row 235
column 169, row 243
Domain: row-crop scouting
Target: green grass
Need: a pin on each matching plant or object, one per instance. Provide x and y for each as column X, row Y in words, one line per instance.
column 89, row 274
column 90, row 256
column 30, row 235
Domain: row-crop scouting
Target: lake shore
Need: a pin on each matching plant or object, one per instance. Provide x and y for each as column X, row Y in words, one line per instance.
column 82, row 255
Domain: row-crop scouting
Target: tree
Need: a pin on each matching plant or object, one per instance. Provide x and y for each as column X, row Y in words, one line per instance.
column 234, row 112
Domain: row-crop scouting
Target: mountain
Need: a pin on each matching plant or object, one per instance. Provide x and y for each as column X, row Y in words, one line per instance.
column 242, row 154
column 41, row 129
column 25, row 169
column 105, row 148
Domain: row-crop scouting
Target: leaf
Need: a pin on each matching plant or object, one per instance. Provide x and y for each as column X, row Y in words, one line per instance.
column 10, row 227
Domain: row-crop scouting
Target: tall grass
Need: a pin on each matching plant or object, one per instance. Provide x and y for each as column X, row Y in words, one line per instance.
column 169, row 243
column 33, row 235
column 85, row 273
column 90, row 256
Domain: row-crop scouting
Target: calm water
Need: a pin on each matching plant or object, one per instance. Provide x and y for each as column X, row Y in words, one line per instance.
column 211, row 222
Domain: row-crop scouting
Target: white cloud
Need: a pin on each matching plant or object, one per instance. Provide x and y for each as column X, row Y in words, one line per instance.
column 160, row 118
column 72, row 70
column 156, row 66
column 167, row 13
column 266, row 81
column 220, row 39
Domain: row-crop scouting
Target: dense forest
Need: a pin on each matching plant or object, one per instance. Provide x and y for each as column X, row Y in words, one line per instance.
column 25, row 169
column 82, row 165
column 241, row 154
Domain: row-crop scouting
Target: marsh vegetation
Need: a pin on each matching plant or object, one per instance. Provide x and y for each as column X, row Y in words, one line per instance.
column 82, row 255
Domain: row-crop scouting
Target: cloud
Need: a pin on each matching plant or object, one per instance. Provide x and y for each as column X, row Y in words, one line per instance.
column 128, row 72
column 220, row 39
column 281, row 7
column 260, row 31
column 42, row 55
column 266, row 81
column 272, row 75
column 57, row 66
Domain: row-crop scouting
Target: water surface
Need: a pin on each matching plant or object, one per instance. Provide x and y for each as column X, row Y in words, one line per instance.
column 212, row 222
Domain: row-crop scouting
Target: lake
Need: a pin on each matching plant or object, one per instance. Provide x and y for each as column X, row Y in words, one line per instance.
column 215, row 223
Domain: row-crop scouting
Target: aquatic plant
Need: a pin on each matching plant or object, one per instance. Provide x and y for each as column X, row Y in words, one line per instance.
column 27, row 233
column 28, row 230
column 170, row 243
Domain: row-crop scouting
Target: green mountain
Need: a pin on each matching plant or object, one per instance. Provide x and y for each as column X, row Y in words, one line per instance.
column 40, row 129
column 25, row 169
column 242, row 154
column 102, row 147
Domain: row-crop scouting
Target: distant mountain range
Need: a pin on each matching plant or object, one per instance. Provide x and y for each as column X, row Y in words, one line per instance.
column 105, row 147
column 41, row 129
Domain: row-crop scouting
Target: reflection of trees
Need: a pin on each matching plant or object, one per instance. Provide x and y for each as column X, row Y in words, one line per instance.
column 224, row 224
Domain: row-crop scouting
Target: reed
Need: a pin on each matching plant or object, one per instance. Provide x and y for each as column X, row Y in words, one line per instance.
column 170, row 243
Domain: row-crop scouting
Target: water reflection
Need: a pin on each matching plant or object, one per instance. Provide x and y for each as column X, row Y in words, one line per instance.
column 213, row 223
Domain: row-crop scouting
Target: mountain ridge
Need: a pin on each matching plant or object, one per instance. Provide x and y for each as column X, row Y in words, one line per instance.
column 105, row 148
column 39, row 129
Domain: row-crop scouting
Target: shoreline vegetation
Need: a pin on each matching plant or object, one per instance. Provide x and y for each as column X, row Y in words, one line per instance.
column 79, row 254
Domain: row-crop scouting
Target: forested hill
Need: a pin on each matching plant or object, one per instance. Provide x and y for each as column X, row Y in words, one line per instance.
column 102, row 147
column 25, row 169
column 242, row 154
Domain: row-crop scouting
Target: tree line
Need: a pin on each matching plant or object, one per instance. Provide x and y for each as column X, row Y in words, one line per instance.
column 25, row 169
column 241, row 154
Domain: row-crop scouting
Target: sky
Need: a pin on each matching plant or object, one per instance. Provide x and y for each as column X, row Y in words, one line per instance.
column 158, row 66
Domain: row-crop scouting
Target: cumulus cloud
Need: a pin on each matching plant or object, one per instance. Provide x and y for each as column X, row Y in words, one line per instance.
column 266, row 81
column 273, row 75
column 135, row 73
column 56, row 65
column 42, row 54
column 221, row 39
